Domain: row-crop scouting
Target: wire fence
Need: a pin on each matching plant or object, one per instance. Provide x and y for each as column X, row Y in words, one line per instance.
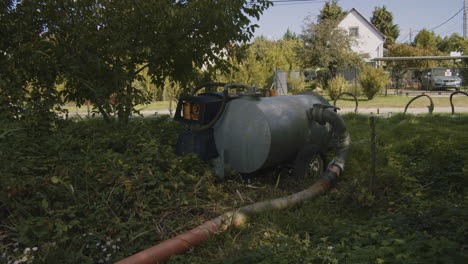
column 415, row 81
column 435, row 81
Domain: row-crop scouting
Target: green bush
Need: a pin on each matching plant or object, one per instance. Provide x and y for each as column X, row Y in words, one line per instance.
column 296, row 84
column 372, row 80
column 336, row 86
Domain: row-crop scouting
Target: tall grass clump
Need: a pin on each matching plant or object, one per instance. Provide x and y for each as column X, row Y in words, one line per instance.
column 296, row 84
column 336, row 86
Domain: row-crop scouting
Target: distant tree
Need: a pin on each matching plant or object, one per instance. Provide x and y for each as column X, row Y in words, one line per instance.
column 171, row 93
column 255, row 63
column 331, row 10
column 453, row 43
column 404, row 50
column 426, row 40
column 327, row 46
column 247, row 67
column 438, row 40
column 382, row 19
column 289, row 35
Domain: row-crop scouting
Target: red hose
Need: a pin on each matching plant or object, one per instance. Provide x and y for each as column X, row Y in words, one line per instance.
column 196, row 236
column 175, row 245
column 183, row 242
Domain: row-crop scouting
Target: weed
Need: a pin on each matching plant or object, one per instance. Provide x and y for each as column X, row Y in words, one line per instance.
column 89, row 191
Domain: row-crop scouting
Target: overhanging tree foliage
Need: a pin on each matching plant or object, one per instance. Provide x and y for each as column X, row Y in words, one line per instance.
column 382, row 19
column 28, row 66
column 102, row 46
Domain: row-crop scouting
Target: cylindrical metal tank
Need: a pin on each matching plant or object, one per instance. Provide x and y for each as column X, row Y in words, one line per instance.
column 259, row 132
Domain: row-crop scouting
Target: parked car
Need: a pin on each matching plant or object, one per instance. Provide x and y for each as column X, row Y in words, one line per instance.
column 440, row 78
column 413, row 84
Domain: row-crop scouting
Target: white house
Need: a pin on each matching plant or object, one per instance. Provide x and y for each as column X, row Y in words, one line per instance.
column 369, row 40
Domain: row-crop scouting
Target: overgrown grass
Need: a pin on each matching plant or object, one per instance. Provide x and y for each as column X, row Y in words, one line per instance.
column 87, row 191
column 412, row 212
column 154, row 106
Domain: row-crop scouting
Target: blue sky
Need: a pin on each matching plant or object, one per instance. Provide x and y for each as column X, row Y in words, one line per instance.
column 414, row 14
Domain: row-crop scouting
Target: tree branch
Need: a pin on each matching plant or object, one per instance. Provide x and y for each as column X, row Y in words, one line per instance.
column 141, row 69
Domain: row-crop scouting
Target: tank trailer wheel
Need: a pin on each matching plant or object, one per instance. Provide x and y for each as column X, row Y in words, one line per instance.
column 309, row 163
column 315, row 167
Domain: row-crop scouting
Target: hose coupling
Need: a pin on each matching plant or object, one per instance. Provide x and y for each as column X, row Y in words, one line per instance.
column 331, row 174
column 316, row 112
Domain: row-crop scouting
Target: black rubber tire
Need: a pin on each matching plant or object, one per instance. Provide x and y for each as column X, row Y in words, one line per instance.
column 309, row 163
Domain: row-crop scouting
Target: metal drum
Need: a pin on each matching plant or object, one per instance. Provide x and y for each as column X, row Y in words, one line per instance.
column 258, row 132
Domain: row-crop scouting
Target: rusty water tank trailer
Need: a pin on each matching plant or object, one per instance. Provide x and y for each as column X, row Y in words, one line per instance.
column 248, row 132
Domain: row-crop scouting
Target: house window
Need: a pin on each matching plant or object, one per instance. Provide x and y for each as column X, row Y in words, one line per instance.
column 354, row 32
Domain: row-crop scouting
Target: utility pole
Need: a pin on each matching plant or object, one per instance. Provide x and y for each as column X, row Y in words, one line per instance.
column 411, row 33
column 465, row 18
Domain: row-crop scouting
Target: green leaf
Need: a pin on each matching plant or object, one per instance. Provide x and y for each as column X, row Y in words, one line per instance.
column 55, row 179
column 45, row 204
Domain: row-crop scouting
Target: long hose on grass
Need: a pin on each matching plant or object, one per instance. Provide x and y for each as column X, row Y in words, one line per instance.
column 430, row 107
column 451, row 102
column 351, row 94
column 183, row 242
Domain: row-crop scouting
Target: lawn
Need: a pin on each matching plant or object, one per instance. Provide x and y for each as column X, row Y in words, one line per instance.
column 88, row 191
column 380, row 101
column 394, row 101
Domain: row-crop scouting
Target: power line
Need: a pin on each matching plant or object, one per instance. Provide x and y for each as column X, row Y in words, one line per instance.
column 406, row 37
column 445, row 22
column 448, row 32
column 411, row 34
column 289, row 3
column 294, row 1
column 449, row 28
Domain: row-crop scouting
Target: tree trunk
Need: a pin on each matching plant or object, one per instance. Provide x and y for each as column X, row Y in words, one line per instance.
column 126, row 105
column 104, row 114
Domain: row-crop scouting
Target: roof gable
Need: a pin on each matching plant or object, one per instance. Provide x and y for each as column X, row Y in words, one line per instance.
column 357, row 13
